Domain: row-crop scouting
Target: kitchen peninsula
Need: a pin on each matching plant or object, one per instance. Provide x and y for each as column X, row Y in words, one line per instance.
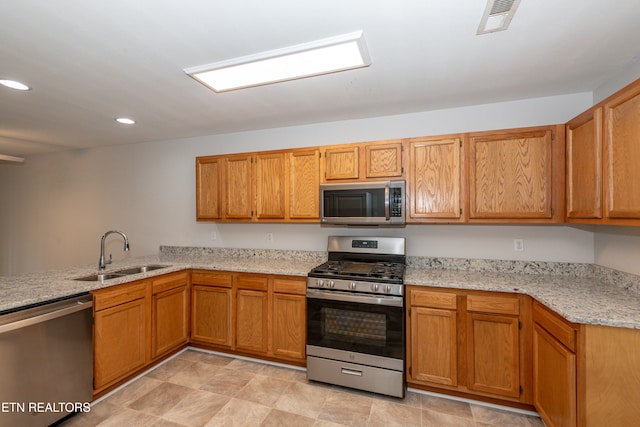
column 587, row 296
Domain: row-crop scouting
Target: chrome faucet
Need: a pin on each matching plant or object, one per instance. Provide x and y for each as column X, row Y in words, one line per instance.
column 102, row 264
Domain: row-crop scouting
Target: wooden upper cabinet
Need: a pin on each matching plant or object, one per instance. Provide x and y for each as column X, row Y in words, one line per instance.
column 238, row 186
column 363, row 161
column 383, row 160
column 273, row 186
column 434, row 189
column 270, row 185
column 622, row 155
column 511, row 174
column 208, row 186
column 584, row 166
column 304, row 184
column 341, row 162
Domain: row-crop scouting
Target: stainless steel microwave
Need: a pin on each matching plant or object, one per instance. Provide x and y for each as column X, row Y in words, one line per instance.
column 363, row 203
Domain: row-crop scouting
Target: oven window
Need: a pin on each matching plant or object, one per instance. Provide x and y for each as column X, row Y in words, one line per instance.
column 357, row 325
column 362, row 328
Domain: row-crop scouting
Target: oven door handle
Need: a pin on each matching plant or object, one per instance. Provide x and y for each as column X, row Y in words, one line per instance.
column 392, row 301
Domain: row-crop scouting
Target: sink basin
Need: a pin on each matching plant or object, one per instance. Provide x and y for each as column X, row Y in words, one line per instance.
column 139, row 269
column 101, row 277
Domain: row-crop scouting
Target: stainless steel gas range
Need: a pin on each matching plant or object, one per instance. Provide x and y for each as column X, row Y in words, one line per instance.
column 355, row 315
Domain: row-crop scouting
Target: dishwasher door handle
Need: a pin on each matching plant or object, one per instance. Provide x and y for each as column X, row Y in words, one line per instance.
column 71, row 306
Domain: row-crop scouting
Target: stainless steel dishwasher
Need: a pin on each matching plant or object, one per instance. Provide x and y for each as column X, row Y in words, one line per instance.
column 46, row 362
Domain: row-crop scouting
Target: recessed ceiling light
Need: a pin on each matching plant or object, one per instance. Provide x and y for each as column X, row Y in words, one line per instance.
column 339, row 53
column 125, row 121
column 13, row 84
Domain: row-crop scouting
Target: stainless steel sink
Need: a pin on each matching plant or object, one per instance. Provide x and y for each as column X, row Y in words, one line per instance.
column 139, row 269
column 101, row 277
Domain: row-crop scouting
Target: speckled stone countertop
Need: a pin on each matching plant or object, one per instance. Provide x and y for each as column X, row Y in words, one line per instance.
column 582, row 293
column 578, row 299
column 24, row 290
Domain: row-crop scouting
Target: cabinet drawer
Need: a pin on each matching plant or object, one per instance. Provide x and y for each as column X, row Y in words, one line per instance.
column 117, row 295
column 169, row 281
column 493, row 304
column 256, row 283
column 559, row 328
column 212, row 278
column 284, row 286
column 445, row 300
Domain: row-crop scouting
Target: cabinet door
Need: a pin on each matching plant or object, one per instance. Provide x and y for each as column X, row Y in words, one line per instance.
column 622, row 155
column 170, row 320
column 304, row 184
column 341, row 162
column 434, row 178
column 270, row 185
column 119, row 341
column 251, row 320
column 289, row 326
column 383, row 160
column 554, row 380
column 208, row 185
column 510, row 175
column 211, row 315
column 584, row 166
column 434, row 355
column 493, row 354
column 238, row 187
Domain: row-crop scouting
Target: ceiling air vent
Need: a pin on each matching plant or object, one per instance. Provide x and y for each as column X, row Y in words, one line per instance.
column 497, row 15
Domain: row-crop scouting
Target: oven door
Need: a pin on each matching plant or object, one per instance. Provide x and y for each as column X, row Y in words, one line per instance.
column 359, row 323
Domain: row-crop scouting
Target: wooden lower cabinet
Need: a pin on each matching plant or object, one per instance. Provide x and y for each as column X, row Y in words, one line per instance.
column 433, row 338
column 169, row 313
column 469, row 343
column 289, row 328
column 554, row 368
column 585, row 375
column 252, row 313
column 255, row 314
column 212, row 305
column 120, row 332
column 137, row 324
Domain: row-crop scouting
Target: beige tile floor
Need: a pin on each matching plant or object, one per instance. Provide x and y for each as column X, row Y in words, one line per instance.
column 202, row 389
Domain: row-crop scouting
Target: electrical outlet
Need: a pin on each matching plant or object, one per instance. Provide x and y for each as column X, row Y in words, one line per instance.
column 214, row 235
column 269, row 237
column 518, row 245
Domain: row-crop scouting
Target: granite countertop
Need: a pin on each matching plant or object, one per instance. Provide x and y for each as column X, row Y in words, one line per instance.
column 580, row 299
column 23, row 290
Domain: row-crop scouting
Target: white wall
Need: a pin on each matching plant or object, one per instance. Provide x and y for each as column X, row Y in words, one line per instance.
column 56, row 206
column 618, row 248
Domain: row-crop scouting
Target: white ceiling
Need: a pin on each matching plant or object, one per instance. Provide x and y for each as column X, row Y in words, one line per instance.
column 90, row 61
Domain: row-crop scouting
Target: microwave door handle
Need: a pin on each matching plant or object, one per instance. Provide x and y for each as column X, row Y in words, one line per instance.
column 387, row 213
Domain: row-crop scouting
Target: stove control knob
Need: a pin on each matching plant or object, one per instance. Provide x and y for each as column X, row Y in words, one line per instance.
column 387, row 288
column 320, row 283
column 331, row 284
column 352, row 285
column 374, row 287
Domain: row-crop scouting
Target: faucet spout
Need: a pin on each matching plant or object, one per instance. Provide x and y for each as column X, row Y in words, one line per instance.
column 102, row 263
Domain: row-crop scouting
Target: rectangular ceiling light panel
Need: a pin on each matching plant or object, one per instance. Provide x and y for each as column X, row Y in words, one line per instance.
column 497, row 15
column 330, row 55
